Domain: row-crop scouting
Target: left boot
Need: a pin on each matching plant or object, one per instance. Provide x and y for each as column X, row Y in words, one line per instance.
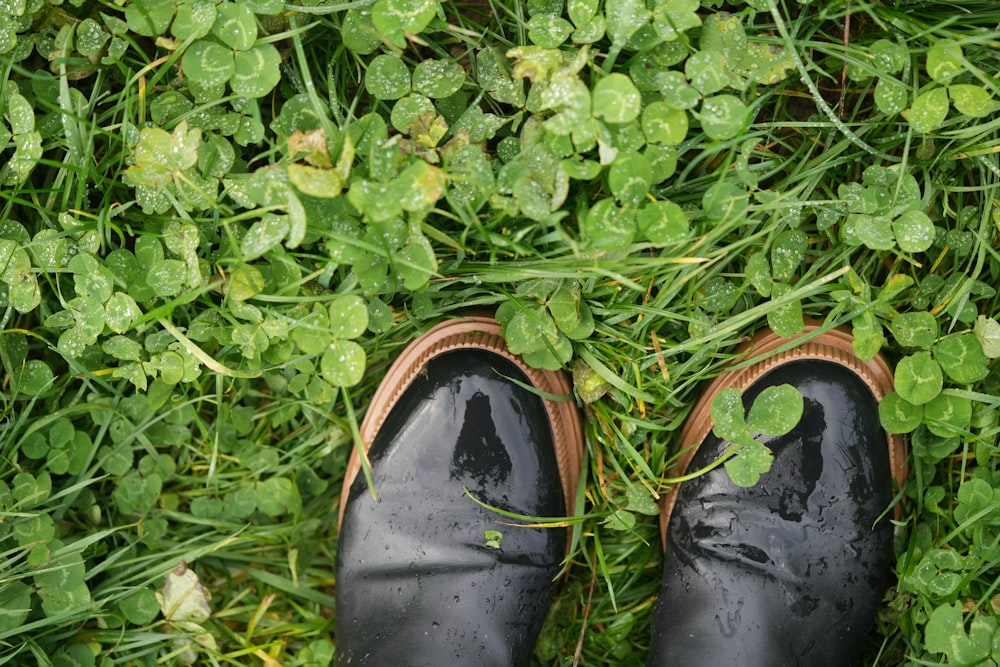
column 792, row 570
column 419, row 581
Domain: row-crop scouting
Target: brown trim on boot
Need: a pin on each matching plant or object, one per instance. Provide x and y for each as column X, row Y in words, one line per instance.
column 483, row 333
column 835, row 346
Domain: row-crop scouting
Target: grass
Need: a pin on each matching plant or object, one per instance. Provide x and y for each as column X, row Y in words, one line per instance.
column 193, row 417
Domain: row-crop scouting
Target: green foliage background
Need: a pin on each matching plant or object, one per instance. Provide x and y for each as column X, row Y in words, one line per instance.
column 220, row 222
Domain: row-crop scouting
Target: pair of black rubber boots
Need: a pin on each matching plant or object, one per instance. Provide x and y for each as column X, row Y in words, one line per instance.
column 788, row 572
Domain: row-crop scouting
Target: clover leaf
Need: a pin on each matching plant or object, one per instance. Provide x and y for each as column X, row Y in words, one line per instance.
column 723, row 117
column 149, row 17
column 27, row 141
column 194, row 19
column 387, row 78
column 438, row 78
column 946, row 633
column 972, row 100
column 775, row 411
column 961, row 357
column 899, row 415
column 395, row 19
column 256, row 71
column 229, row 53
column 928, row 111
column 616, row 99
column 918, row 378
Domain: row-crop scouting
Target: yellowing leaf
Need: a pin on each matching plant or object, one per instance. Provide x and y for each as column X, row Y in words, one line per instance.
column 315, row 182
column 182, row 597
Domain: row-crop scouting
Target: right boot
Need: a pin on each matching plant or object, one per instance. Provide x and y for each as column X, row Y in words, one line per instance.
column 792, row 570
column 418, row 580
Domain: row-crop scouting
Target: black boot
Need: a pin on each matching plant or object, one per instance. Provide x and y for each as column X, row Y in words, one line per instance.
column 790, row 571
column 419, row 580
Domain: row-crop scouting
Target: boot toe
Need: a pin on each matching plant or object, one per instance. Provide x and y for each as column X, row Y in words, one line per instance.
column 418, row 580
column 792, row 570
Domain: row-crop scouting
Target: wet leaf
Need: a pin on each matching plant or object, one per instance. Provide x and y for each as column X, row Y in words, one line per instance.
column 343, row 363
column 724, row 34
column 264, row 235
column 664, row 125
column 359, row 32
column 630, row 178
column 671, row 18
column 121, row 312
column 987, row 330
column 494, row 76
column 971, row 100
column 438, row 78
column 14, row 262
column 891, row 96
column 706, row 70
column 235, row 25
column 776, row 410
column 256, row 71
column 916, row 329
column 409, row 112
column 747, row 466
column 948, row 416
column 387, row 77
column 348, row 316
column 149, row 18
column 785, row 319
column 889, row 57
column 677, row 92
column 728, row 416
column 723, row 117
column 395, row 18
column 607, row 226
column 663, row 222
column 159, row 155
column 167, row 277
column 758, row 273
column 929, row 110
column 208, row 63
column 918, row 378
column 624, row 18
column 898, row 415
column 787, row 253
column 548, row 31
column 34, row 378
column 874, row 231
column 914, row 231
column 962, row 358
column 616, row 99
column 944, row 60
column 194, row 19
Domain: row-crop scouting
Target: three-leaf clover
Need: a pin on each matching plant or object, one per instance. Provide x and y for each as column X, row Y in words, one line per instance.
column 230, row 53
column 774, row 412
column 543, row 321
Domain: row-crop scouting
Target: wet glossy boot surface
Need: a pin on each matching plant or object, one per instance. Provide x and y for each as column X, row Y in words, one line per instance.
column 417, row 582
column 791, row 571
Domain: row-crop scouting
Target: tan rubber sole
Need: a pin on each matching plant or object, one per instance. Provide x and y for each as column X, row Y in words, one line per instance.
column 834, row 345
column 483, row 333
